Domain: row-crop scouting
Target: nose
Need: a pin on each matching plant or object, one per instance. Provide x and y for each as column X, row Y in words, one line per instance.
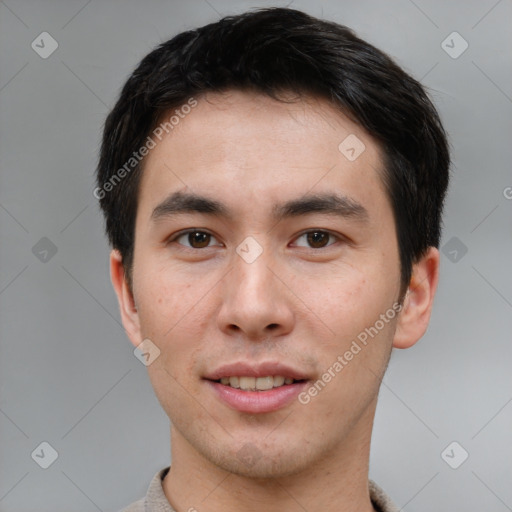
column 256, row 301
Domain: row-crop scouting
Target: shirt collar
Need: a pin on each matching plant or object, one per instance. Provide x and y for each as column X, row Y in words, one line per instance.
column 156, row 501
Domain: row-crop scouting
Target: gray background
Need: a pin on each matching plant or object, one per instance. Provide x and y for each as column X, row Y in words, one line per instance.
column 68, row 374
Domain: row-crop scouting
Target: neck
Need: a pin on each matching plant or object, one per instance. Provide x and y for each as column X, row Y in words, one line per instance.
column 335, row 481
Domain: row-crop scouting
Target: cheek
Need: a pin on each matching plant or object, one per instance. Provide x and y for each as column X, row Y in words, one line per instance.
column 173, row 316
column 350, row 304
column 344, row 301
column 165, row 298
column 353, row 358
column 174, row 319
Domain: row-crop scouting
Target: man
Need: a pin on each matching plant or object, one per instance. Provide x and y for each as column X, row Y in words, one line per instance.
column 273, row 188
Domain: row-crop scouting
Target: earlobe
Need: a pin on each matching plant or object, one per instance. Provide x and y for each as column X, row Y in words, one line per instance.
column 128, row 309
column 417, row 307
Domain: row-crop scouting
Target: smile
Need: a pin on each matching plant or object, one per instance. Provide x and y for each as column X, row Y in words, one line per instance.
column 256, row 383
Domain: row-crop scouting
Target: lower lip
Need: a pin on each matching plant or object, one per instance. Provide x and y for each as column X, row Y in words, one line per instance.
column 258, row 401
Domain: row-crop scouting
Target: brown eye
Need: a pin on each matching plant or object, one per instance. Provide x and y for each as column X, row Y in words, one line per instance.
column 199, row 239
column 194, row 239
column 317, row 239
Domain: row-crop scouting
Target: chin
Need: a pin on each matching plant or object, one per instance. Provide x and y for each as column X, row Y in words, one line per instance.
column 256, row 461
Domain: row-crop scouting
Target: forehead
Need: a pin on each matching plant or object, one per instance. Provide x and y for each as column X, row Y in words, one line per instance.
column 249, row 147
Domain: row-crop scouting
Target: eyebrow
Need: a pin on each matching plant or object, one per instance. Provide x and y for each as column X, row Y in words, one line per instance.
column 325, row 203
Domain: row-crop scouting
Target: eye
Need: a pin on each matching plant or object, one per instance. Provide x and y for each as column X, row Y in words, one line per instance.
column 194, row 238
column 316, row 239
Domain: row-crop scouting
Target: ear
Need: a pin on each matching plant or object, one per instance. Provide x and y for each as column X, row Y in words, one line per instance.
column 129, row 314
column 415, row 314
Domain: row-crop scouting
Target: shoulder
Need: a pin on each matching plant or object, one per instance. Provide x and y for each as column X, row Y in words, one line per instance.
column 155, row 498
column 380, row 500
column 137, row 506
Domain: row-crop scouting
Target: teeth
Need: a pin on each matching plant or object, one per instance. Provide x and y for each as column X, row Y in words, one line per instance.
column 256, row 383
column 247, row 383
column 264, row 383
column 278, row 381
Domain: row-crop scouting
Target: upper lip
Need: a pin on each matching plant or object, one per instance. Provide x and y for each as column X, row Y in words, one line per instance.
column 265, row 369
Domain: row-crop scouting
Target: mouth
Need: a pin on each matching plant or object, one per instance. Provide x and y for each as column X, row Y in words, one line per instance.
column 248, row 383
column 256, row 388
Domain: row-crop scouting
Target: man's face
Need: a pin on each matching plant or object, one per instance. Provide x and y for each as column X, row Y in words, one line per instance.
column 272, row 278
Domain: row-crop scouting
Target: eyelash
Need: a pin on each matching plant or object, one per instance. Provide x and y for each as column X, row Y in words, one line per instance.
column 175, row 237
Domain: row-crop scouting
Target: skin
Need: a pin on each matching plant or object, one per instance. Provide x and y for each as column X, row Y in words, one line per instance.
column 302, row 305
